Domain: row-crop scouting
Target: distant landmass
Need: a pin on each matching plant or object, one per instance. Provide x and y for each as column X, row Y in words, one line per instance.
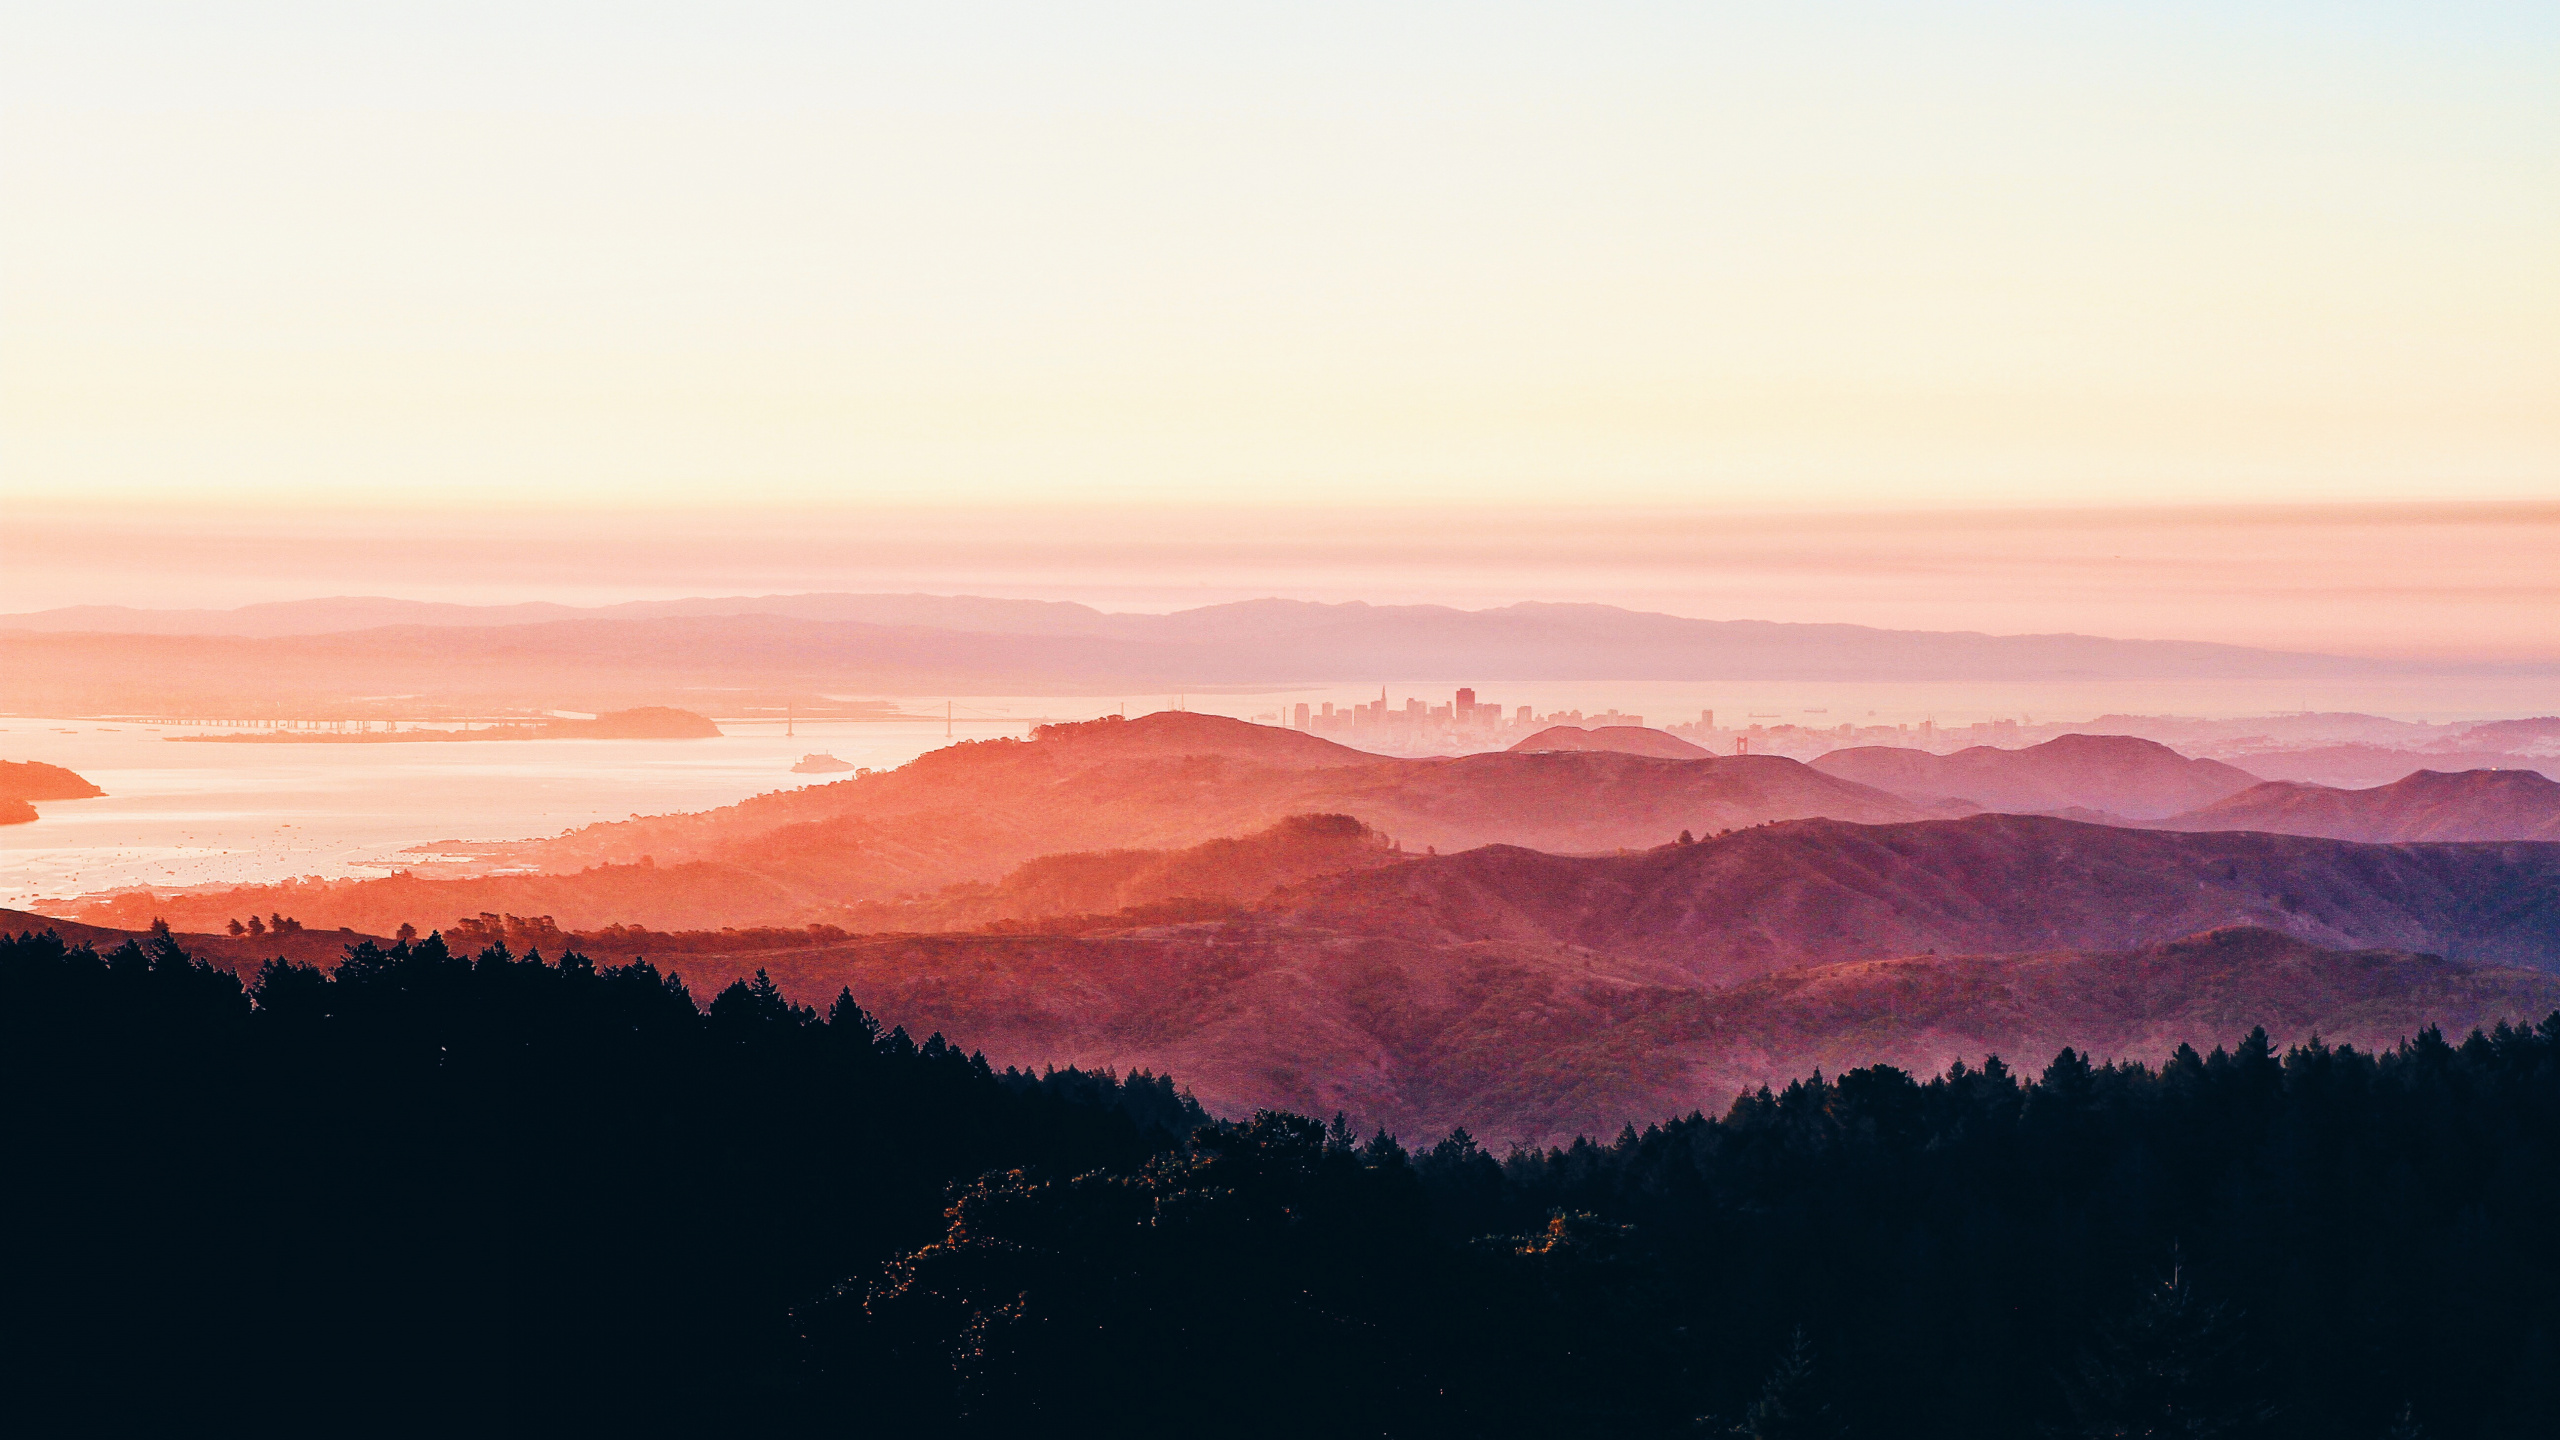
column 35, row 780
column 648, row 722
column 22, row 781
column 313, row 653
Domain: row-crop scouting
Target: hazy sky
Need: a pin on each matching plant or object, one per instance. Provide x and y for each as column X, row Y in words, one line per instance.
column 1694, row 260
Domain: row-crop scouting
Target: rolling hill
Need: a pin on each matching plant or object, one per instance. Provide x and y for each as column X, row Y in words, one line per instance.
column 2118, row 775
column 2428, row 805
column 1623, row 739
column 972, row 812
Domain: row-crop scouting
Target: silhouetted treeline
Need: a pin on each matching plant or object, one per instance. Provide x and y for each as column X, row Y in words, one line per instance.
column 548, row 1198
column 428, row 1192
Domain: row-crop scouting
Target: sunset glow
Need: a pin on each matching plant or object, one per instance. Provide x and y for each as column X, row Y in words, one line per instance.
column 1243, row 721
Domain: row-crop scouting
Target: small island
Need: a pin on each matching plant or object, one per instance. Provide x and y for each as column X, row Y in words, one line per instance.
column 648, row 722
column 821, row 763
column 24, row 780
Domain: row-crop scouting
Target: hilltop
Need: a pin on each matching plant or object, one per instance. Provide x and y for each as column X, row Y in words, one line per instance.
column 1623, row 739
column 2427, row 805
column 2117, row 775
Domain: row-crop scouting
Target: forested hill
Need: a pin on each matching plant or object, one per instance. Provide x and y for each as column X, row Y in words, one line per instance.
column 429, row 1194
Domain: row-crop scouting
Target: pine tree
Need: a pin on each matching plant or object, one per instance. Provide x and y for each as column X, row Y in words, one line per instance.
column 1794, row 1404
column 2172, row 1369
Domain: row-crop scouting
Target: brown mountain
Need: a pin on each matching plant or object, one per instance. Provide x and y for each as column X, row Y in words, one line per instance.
column 2429, row 805
column 2118, row 775
column 1624, row 739
column 972, row 812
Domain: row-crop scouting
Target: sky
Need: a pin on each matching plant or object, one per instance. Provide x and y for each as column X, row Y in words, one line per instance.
column 1884, row 312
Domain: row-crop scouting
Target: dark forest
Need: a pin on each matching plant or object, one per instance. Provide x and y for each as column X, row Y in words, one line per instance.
column 505, row 1194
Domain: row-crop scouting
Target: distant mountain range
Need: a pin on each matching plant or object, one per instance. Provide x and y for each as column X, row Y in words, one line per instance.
column 313, row 652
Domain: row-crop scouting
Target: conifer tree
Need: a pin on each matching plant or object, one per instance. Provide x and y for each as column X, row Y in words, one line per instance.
column 2172, row 1369
column 1795, row 1402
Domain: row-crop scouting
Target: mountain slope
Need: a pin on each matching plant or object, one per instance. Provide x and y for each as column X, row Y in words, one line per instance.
column 2428, row 805
column 1819, row 891
column 1518, row 1040
column 2117, row 774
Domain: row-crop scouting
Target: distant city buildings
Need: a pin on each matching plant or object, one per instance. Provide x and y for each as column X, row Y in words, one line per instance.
column 1468, row 722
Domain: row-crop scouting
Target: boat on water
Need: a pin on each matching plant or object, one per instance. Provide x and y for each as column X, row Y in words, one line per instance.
column 821, row 763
